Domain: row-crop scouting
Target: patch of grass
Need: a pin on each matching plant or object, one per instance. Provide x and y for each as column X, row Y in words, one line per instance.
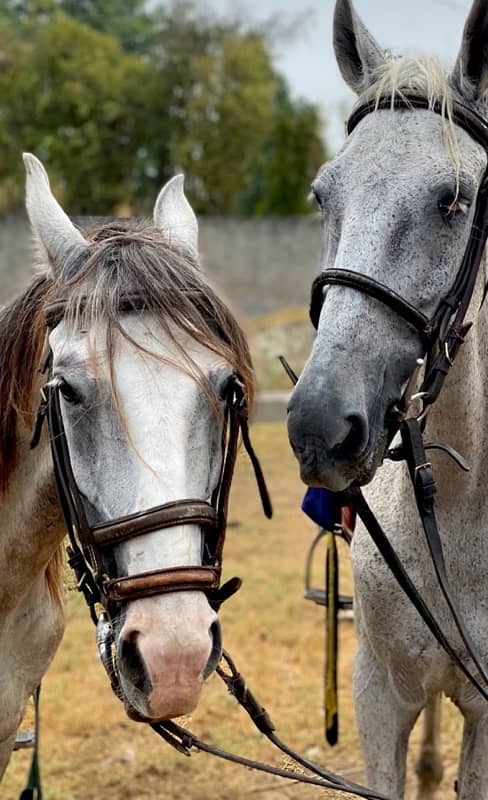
column 291, row 315
column 285, row 332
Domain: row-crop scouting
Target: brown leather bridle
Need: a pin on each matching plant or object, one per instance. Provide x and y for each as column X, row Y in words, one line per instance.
column 89, row 543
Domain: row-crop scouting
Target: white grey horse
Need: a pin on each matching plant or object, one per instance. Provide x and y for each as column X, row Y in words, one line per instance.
column 142, row 403
column 398, row 205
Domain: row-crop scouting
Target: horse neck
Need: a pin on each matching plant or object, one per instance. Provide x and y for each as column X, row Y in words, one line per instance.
column 31, row 522
column 459, row 416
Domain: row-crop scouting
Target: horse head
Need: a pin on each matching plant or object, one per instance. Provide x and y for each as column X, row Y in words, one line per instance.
column 142, row 354
column 398, row 205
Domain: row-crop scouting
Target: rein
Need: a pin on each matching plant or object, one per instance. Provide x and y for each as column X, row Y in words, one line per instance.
column 442, row 337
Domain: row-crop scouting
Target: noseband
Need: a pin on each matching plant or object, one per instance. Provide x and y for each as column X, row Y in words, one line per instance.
column 89, row 543
column 443, row 334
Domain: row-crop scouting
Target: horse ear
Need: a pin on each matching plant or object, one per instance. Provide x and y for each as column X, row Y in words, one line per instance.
column 174, row 216
column 470, row 74
column 358, row 54
column 51, row 226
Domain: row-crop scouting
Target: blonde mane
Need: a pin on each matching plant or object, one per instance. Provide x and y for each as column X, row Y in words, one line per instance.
column 426, row 76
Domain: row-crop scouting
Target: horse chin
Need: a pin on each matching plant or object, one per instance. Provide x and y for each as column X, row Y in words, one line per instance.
column 338, row 475
column 138, row 707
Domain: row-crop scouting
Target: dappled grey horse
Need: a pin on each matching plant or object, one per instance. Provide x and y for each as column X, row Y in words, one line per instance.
column 141, row 360
column 398, row 204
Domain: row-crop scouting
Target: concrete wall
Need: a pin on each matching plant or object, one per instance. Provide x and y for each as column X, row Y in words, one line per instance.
column 258, row 265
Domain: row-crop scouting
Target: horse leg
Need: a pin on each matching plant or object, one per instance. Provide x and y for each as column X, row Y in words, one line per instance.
column 429, row 765
column 9, row 724
column 473, row 769
column 384, row 724
column 6, row 748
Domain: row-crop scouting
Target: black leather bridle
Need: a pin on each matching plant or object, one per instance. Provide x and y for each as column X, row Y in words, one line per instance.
column 441, row 336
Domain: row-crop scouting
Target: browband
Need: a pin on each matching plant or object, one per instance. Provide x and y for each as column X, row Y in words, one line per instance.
column 466, row 118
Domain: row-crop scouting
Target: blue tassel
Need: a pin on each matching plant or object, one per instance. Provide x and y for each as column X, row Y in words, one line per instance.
column 322, row 508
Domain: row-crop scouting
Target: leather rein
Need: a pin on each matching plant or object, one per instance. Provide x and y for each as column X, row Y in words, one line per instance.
column 442, row 337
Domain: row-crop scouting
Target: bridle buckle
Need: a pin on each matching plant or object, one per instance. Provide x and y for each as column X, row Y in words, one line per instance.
column 421, row 467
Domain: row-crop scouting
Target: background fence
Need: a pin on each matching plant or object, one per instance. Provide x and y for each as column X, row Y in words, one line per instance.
column 259, row 265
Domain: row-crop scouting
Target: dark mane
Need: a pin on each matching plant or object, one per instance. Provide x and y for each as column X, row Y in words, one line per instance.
column 125, row 267
column 22, row 337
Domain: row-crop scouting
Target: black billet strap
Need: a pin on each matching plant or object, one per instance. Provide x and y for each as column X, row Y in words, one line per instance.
column 367, row 285
column 404, row 581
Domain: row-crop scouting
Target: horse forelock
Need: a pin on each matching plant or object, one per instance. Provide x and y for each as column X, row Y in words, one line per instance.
column 123, row 264
column 129, row 267
column 426, row 76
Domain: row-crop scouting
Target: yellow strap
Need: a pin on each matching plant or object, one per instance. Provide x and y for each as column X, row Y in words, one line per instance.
column 332, row 590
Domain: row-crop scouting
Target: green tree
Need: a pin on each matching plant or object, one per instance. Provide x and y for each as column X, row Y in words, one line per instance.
column 288, row 161
column 229, row 113
column 74, row 98
column 125, row 20
column 196, row 93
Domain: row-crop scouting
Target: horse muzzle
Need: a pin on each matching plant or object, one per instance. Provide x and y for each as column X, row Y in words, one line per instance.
column 165, row 650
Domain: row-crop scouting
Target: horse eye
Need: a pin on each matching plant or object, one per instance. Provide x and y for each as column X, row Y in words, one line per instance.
column 317, row 199
column 69, row 394
column 450, row 206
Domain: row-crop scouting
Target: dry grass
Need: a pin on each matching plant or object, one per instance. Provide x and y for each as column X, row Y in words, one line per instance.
column 90, row 750
column 284, row 332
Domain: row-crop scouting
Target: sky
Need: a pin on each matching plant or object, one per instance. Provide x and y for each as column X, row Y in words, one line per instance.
column 414, row 26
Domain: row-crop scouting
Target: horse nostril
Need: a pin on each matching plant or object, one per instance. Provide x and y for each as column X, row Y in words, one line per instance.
column 133, row 664
column 216, row 653
column 356, row 437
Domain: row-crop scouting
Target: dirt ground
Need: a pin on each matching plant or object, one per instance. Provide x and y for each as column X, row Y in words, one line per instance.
column 90, row 750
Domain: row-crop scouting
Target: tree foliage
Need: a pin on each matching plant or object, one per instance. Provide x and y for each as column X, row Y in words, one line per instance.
column 116, row 98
